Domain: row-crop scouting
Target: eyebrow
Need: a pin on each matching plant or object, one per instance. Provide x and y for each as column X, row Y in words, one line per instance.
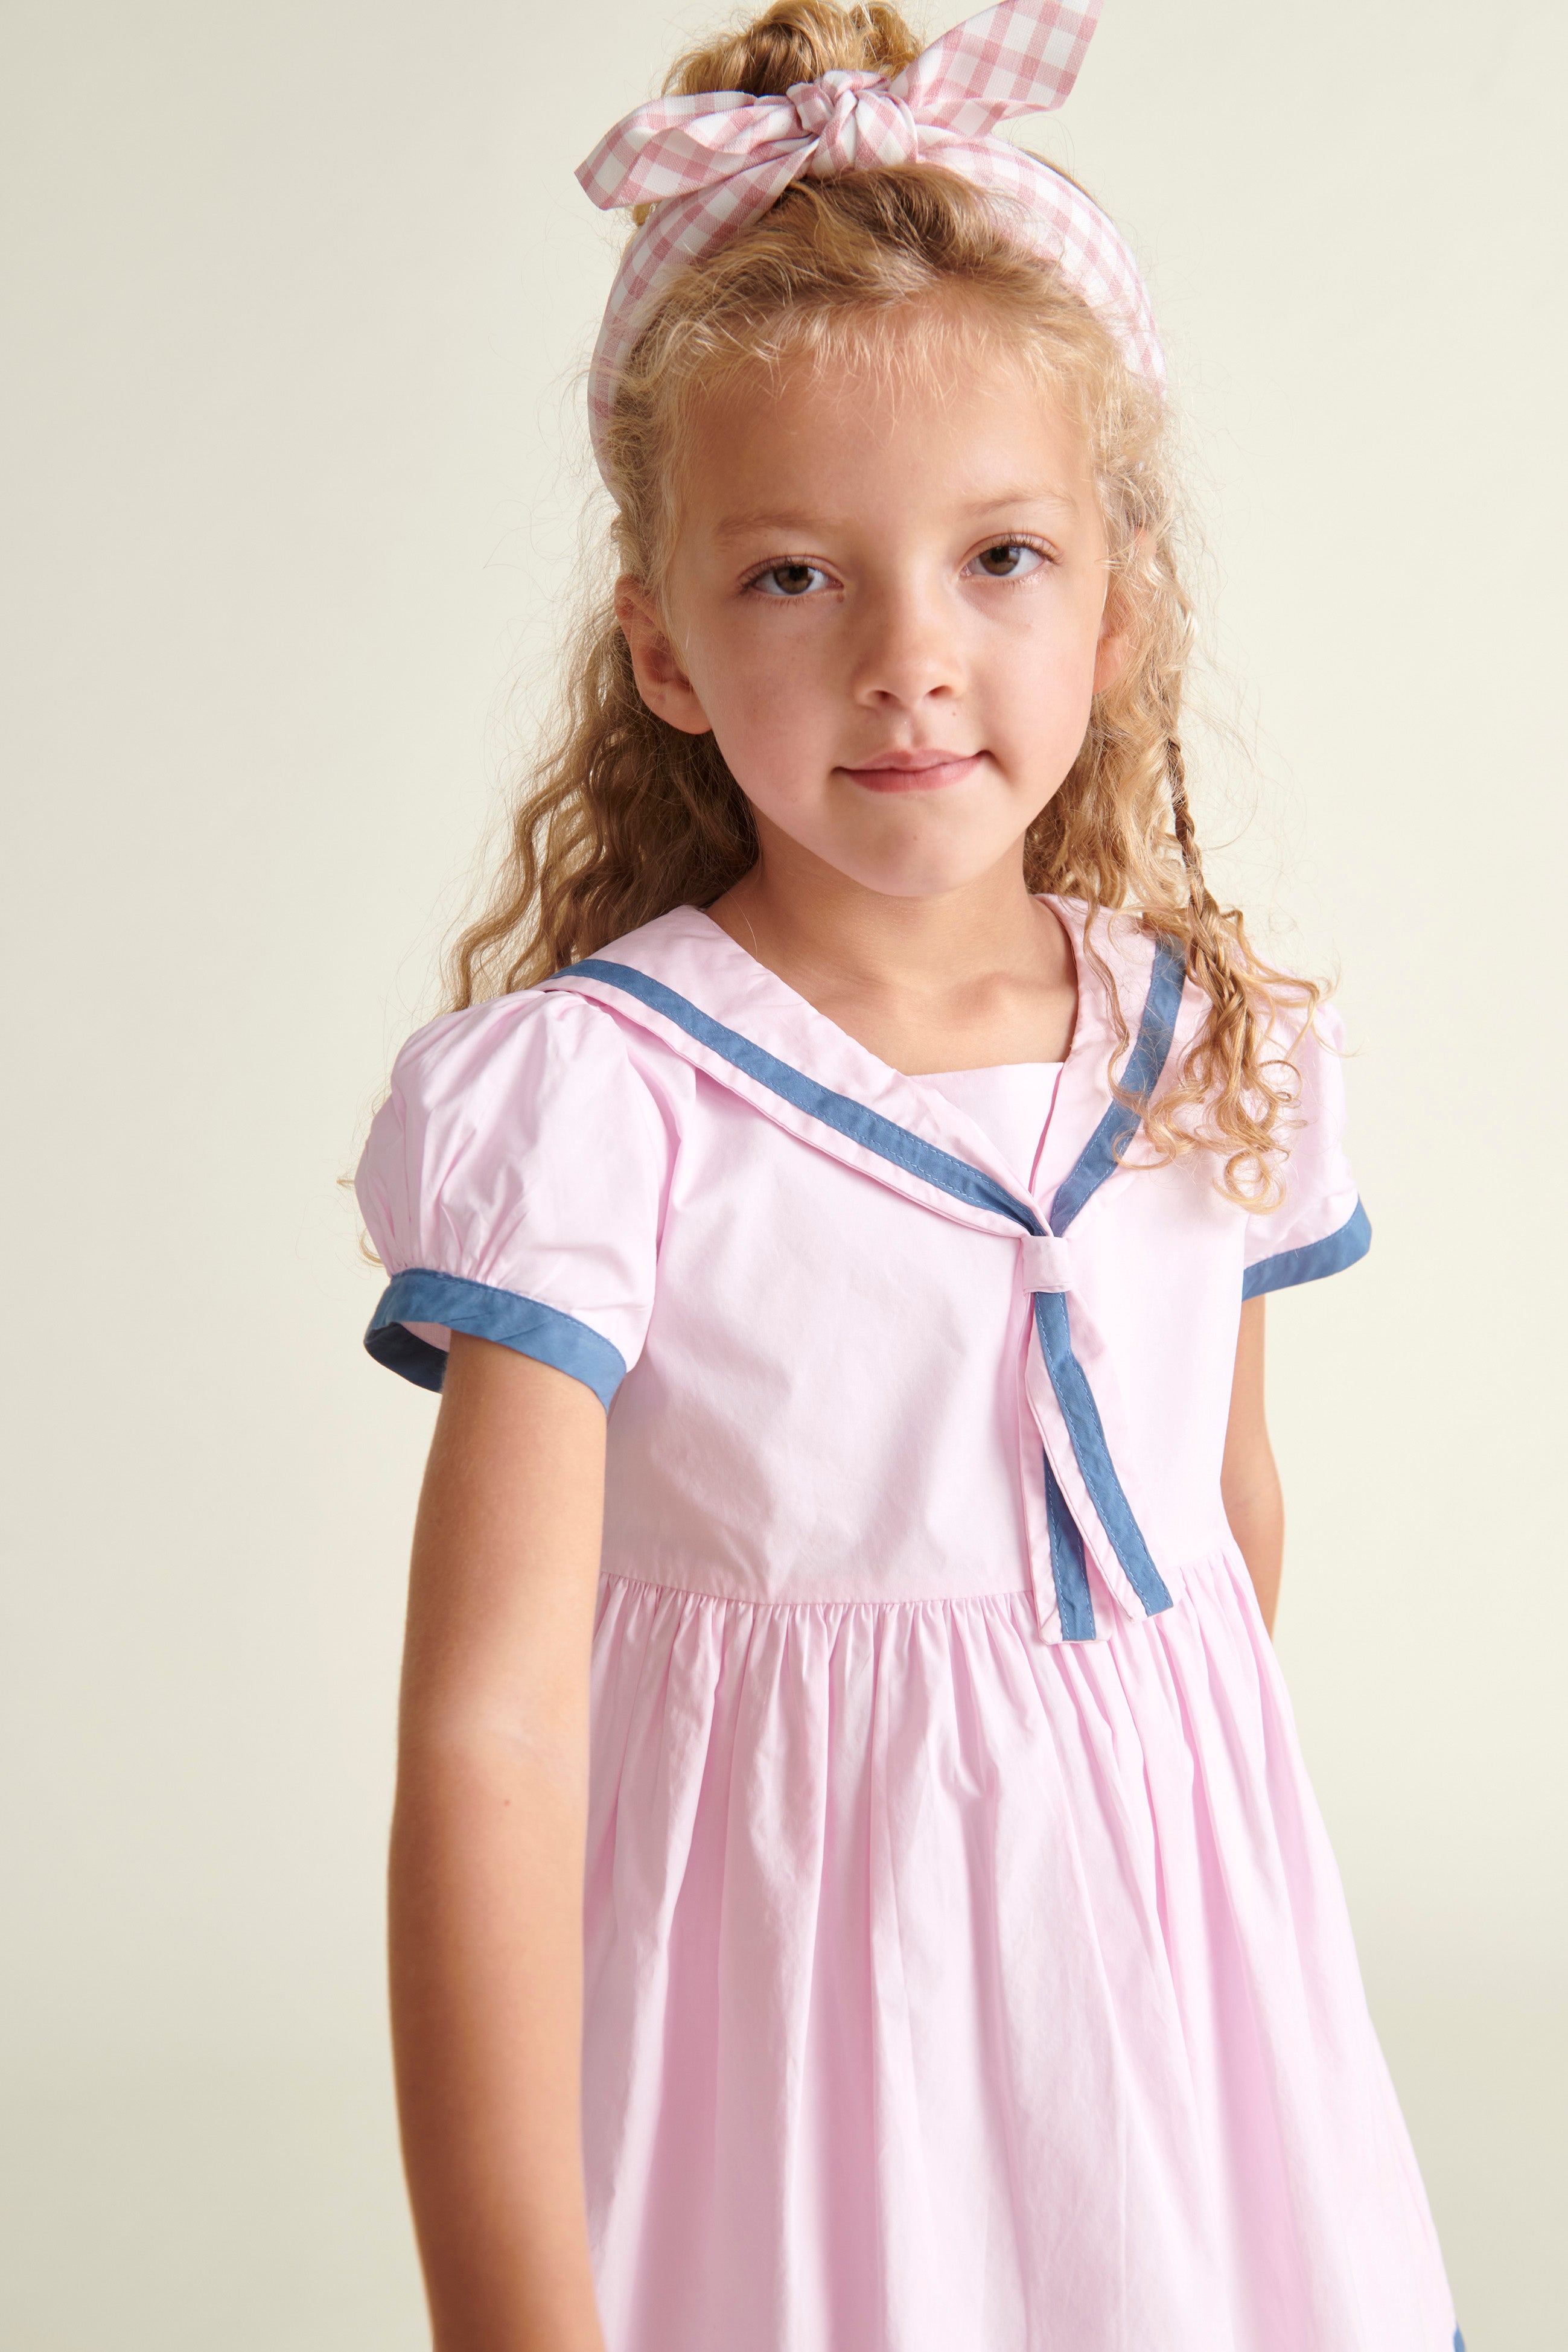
column 773, row 522
column 744, row 526
column 1034, row 496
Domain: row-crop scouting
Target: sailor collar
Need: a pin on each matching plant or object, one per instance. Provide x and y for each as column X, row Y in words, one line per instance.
column 685, row 981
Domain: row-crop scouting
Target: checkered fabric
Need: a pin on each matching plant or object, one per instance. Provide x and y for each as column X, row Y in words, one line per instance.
column 712, row 164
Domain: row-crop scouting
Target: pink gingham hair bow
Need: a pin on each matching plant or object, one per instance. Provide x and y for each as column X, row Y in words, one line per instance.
column 709, row 165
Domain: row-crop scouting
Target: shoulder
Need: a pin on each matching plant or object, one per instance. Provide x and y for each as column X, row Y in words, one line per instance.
column 520, row 1066
column 1115, row 947
column 490, row 1102
column 1134, row 997
column 1308, row 1040
column 511, row 1185
column 516, row 1139
column 491, row 1050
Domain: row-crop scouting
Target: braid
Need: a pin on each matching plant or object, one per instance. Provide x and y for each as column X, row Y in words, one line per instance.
column 1204, row 907
column 1231, row 1039
column 1182, row 818
column 1208, row 960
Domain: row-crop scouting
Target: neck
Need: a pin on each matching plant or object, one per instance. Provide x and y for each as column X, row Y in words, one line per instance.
column 793, row 910
column 978, row 973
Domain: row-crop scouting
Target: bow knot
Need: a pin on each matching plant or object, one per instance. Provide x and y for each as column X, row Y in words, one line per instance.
column 857, row 123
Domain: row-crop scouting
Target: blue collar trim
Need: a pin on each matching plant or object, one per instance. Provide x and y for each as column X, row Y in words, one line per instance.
column 1099, row 1158
column 1101, row 1155
column 841, row 1112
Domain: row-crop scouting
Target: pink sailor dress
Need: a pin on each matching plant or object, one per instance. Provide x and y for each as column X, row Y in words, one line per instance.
column 967, row 1966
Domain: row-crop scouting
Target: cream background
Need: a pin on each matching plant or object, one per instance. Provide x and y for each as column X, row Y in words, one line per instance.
column 293, row 290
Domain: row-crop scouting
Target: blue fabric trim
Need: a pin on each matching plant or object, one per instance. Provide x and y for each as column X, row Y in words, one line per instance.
column 526, row 1324
column 1075, row 1605
column 841, row 1112
column 1312, row 1260
column 1087, row 1432
column 1458, row 2341
column 1101, row 1155
column 407, row 1355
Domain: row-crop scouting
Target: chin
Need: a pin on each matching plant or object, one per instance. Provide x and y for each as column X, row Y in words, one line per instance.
column 924, row 847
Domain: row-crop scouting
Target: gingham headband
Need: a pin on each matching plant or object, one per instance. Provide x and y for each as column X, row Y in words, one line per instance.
column 712, row 165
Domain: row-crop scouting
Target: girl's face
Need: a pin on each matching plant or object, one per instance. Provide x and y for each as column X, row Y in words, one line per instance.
column 888, row 604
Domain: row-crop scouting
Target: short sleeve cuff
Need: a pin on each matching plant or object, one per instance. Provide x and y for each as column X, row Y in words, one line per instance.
column 1312, row 1260
column 453, row 1303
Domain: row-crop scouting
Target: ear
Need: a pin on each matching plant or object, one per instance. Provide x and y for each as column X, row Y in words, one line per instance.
column 1118, row 631
column 661, row 681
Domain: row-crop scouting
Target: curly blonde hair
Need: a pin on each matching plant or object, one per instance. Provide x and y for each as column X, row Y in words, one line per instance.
column 625, row 816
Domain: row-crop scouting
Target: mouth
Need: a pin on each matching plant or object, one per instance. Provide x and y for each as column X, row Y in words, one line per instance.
column 913, row 771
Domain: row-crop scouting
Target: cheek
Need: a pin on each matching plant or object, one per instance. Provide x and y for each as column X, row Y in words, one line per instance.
column 1042, row 680
column 766, row 691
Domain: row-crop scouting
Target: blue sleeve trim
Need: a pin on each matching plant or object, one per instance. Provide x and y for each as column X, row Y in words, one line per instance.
column 1101, row 1155
column 525, row 1324
column 1312, row 1260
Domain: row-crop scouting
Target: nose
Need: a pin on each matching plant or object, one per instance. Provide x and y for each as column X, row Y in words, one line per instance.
column 908, row 653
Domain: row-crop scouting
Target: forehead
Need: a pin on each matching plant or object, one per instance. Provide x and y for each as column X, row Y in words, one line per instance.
column 935, row 429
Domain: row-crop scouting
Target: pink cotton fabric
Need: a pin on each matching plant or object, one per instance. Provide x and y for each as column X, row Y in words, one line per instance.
column 948, row 1981
column 1010, row 1104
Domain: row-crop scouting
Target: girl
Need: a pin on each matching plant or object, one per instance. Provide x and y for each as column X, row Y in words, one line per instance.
column 848, row 1816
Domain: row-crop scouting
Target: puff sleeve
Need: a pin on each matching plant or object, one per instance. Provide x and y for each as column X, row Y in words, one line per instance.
column 1320, row 1225
column 513, row 1184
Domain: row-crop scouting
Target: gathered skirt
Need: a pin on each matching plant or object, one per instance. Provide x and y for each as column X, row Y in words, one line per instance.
column 951, row 1991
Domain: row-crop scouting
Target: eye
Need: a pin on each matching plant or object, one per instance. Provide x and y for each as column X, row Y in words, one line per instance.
column 791, row 580
column 1009, row 559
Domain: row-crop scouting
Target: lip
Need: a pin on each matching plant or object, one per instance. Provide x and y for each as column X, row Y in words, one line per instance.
column 913, row 771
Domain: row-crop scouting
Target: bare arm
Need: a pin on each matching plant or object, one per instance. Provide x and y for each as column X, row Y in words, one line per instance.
column 1248, row 1481
column 487, row 1854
